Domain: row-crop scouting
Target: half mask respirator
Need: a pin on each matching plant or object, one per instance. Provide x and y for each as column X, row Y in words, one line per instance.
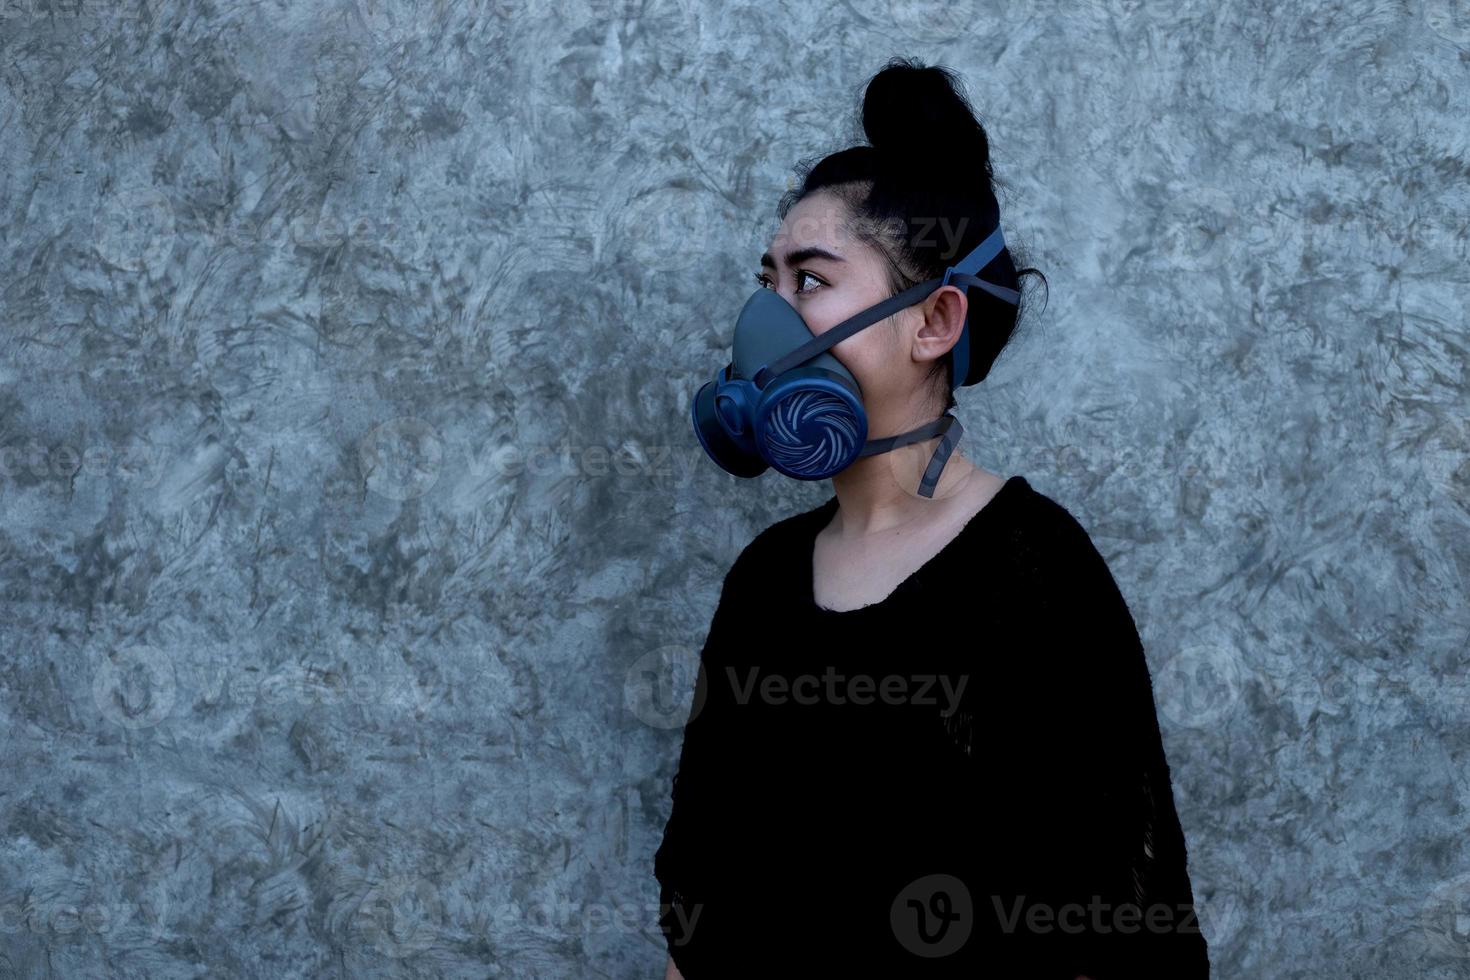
column 785, row 402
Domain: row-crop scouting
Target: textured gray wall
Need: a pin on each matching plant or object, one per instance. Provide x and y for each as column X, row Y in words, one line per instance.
column 355, row 542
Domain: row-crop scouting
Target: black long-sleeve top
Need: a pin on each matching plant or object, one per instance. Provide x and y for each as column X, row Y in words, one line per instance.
column 965, row 778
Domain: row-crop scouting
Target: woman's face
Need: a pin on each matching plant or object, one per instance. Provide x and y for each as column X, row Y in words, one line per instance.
column 818, row 266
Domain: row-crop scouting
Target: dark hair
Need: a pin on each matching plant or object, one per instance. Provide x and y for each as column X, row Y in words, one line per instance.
column 925, row 171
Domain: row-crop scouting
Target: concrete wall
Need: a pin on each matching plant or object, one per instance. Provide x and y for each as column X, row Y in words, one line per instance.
column 355, row 541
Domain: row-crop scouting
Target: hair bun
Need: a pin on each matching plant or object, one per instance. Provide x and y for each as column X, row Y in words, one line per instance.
column 909, row 106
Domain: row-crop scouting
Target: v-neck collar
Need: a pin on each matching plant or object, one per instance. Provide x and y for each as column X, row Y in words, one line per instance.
column 821, row 516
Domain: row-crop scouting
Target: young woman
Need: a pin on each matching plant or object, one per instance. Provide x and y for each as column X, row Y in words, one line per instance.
column 923, row 741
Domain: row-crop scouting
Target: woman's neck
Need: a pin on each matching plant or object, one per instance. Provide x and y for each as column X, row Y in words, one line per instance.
column 877, row 494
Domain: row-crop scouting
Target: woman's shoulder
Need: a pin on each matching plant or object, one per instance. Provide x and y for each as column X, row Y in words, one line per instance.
column 1047, row 541
column 1038, row 513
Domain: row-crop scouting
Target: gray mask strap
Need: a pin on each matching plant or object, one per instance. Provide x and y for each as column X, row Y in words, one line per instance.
column 946, row 424
column 830, row 338
column 1000, row 292
column 952, row 434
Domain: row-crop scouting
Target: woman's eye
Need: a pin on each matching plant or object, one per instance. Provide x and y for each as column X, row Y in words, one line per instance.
column 801, row 276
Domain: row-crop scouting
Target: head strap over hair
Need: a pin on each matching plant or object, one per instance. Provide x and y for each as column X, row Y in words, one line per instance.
column 965, row 273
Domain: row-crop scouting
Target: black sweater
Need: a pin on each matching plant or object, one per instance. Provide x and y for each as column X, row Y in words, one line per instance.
column 882, row 791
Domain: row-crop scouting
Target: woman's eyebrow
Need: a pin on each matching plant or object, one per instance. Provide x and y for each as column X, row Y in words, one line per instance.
column 798, row 255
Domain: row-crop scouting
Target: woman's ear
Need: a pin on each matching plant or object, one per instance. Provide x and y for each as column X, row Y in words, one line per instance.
column 944, row 320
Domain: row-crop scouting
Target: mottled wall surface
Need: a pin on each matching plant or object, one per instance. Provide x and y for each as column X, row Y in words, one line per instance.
column 356, row 549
